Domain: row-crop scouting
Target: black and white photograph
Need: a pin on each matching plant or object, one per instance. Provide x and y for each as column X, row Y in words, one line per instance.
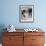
column 26, row 13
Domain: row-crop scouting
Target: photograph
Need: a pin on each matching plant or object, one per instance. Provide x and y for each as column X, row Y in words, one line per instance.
column 26, row 13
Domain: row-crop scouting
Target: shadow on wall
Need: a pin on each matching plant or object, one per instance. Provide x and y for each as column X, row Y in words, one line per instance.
column 2, row 26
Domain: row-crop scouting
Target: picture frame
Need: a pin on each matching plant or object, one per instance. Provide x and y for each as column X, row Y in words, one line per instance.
column 26, row 13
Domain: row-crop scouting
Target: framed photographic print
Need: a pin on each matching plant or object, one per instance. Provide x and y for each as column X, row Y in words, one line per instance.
column 26, row 13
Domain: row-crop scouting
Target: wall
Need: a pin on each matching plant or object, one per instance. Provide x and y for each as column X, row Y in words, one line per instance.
column 9, row 13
